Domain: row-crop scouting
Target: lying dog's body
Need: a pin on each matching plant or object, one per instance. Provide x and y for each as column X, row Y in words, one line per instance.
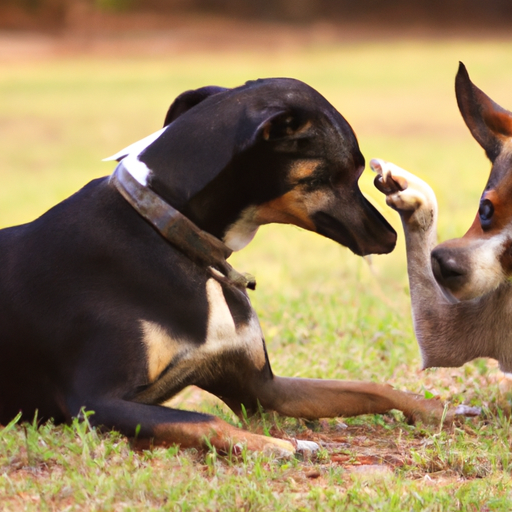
column 460, row 290
column 103, row 307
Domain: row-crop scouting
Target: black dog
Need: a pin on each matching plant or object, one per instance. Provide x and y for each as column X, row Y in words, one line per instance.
column 114, row 300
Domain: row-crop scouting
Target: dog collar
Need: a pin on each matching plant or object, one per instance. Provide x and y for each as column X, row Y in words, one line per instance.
column 180, row 231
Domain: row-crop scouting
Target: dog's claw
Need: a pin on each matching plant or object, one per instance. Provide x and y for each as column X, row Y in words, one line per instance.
column 387, row 181
column 375, row 165
column 466, row 410
column 405, row 193
column 379, row 167
column 307, row 446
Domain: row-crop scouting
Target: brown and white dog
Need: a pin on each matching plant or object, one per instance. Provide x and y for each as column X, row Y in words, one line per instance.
column 460, row 290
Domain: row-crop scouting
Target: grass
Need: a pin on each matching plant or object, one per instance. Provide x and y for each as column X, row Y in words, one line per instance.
column 325, row 312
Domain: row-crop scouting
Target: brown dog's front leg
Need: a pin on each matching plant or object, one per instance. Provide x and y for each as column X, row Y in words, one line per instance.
column 318, row 398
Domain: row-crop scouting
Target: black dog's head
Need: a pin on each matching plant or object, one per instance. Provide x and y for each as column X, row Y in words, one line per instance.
column 272, row 150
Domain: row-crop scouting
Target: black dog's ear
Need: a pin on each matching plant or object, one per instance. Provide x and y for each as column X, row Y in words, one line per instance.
column 185, row 101
column 283, row 125
column 489, row 123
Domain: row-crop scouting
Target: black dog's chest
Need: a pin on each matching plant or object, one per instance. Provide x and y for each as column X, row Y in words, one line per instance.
column 233, row 339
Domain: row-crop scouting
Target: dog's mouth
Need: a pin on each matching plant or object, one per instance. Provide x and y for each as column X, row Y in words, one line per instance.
column 367, row 234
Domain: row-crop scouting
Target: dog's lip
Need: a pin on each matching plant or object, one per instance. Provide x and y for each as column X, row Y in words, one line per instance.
column 333, row 228
column 448, row 295
column 329, row 226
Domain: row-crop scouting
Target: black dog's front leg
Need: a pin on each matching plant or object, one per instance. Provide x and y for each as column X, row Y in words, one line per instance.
column 158, row 425
column 319, row 398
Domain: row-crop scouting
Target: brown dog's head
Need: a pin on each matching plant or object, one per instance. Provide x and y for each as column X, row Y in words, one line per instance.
column 481, row 260
column 272, row 150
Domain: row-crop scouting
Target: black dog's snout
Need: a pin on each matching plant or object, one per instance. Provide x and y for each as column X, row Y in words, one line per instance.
column 448, row 269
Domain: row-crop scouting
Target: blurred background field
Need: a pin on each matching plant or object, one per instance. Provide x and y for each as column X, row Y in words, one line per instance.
column 71, row 95
column 59, row 116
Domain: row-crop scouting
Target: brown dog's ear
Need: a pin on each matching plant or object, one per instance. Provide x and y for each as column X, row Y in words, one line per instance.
column 189, row 99
column 489, row 123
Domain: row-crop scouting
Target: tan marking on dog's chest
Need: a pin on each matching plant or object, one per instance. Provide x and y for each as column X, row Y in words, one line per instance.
column 222, row 335
column 160, row 348
column 241, row 232
column 221, row 326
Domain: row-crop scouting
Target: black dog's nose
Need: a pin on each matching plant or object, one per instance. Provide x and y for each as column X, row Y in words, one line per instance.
column 449, row 270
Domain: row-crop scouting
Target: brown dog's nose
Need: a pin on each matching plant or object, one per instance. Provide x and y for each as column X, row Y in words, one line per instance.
column 449, row 269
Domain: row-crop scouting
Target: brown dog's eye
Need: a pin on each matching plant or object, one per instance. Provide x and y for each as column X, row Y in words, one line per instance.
column 485, row 211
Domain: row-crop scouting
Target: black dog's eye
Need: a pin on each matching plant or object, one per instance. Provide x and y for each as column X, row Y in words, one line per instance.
column 315, row 181
column 485, row 211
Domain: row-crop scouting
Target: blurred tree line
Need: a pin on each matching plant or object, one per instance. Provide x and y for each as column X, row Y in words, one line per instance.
column 56, row 13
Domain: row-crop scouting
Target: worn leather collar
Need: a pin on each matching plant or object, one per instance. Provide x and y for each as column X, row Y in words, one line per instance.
column 182, row 233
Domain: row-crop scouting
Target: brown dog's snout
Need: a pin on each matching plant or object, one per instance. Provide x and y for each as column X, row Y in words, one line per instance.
column 450, row 269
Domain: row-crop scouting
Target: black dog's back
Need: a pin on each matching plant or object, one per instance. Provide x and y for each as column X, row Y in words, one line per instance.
column 68, row 286
column 85, row 273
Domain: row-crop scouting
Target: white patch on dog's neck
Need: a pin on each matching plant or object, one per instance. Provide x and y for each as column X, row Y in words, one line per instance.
column 130, row 157
column 139, row 170
column 242, row 231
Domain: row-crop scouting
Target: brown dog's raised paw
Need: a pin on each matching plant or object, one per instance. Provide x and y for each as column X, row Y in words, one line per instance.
column 406, row 193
